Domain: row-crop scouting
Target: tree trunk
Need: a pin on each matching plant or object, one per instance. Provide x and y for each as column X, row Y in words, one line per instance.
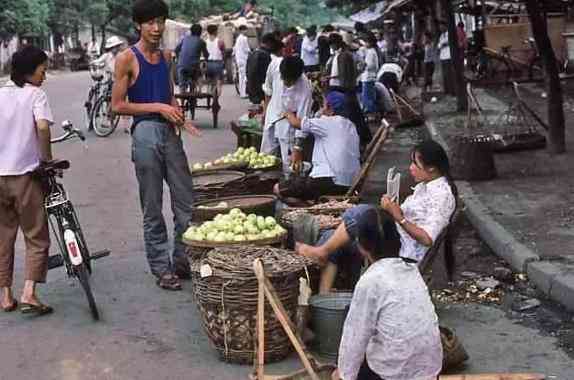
column 457, row 57
column 103, row 35
column 556, row 133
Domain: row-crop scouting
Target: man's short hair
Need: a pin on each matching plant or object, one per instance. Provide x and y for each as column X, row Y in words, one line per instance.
column 242, row 28
column 378, row 234
column 336, row 39
column 268, row 39
column 291, row 68
column 328, row 28
column 212, row 29
column 146, row 10
column 196, row 30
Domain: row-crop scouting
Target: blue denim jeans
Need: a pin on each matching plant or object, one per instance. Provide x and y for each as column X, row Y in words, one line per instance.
column 158, row 156
column 369, row 97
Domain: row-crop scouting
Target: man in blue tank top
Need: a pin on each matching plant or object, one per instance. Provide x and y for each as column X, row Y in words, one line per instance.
column 142, row 75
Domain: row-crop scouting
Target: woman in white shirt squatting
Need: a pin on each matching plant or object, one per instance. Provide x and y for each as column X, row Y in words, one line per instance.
column 391, row 331
column 335, row 152
column 419, row 220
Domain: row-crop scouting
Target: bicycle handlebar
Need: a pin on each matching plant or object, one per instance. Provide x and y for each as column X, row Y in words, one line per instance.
column 70, row 132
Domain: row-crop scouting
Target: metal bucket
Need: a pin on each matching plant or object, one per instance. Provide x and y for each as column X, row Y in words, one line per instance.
column 328, row 313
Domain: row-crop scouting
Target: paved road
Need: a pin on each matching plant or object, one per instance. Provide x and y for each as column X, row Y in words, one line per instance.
column 147, row 333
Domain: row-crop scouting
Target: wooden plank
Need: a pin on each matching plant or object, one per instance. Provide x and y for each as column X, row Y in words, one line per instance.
column 495, row 376
column 282, row 316
column 369, row 161
column 260, row 330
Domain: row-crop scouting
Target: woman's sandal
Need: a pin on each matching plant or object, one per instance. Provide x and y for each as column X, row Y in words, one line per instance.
column 169, row 282
column 38, row 310
column 10, row 308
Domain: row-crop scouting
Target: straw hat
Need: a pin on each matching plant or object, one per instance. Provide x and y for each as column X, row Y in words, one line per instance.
column 112, row 42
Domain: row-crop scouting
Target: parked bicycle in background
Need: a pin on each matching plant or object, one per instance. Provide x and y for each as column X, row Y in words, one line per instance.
column 100, row 117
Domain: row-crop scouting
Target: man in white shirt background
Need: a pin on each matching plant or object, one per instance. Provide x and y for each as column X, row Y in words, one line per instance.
column 287, row 89
column 446, row 63
column 310, row 50
column 241, row 51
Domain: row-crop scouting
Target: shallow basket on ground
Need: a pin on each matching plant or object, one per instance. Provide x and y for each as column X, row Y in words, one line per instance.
column 263, row 205
column 226, row 183
column 198, row 249
column 227, row 299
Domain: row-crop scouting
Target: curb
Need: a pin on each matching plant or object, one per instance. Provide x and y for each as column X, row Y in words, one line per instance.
column 554, row 278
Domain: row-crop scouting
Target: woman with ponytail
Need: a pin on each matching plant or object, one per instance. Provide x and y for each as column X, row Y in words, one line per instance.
column 419, row 220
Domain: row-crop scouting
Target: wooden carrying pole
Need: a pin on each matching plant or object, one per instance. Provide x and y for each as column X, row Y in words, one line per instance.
column 267, row 290
column 378, row 143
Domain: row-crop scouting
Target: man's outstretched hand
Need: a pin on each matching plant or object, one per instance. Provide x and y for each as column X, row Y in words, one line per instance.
column 191, row 129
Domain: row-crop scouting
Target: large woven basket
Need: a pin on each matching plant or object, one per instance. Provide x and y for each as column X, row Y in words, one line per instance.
column 227, row 183
column 227, row 299
column 287, row 217
column 263, row 205
column 197, row 249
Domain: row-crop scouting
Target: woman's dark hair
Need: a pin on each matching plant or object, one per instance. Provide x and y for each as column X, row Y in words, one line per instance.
column 146, row 10
column 25, row 62
column 379, row 236
column 291, row 68
column 328, row 28
column 212, row 29
column 196, row 30
column 336, row 40
column 242, row 28
column 360, row 27
column 432, row 154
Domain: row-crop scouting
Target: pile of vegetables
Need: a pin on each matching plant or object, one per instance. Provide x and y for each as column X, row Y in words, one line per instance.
column 247, row 156
column 235, row 226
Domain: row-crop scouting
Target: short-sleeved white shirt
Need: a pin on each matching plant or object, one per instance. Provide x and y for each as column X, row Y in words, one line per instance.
column 20, row 109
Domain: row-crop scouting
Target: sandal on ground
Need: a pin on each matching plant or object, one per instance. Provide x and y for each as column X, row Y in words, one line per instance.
column 38, row 310
column 169, row 282
column 10, row 308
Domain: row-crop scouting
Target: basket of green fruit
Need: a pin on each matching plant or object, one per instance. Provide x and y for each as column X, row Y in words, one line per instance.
column 263, row 205
column 242, row 158
column 233, row 228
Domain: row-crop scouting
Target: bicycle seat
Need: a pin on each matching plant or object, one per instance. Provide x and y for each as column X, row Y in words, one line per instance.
column 50, row 168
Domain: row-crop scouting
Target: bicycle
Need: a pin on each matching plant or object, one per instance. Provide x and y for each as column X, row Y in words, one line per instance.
column 103, row 120
column 97, row 75
column 73, row 251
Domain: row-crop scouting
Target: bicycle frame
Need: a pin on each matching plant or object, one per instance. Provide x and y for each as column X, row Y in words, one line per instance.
column 61, row 215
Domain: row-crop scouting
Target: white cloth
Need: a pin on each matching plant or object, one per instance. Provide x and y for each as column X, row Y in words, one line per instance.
column 384, row 97
column 241, row 49
column 334, row 81
column 392, row 322
column 430, row 208
column 214, row 49
column 20, row 109
column 297, row 99
column 310, row 51
column 394, row 68
column 443, row 47
column 336, row 150
column 371, row 66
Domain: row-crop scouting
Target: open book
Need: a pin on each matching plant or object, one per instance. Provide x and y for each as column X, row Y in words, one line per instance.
column 393, row 184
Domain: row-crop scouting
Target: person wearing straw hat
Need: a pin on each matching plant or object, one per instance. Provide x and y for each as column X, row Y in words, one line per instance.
column 114, row 45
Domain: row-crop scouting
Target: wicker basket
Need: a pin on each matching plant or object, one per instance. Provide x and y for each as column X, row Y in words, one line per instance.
column 263, row 205
column 227, row 299
column 197, row 249
column 287, row 217
column 227, row 183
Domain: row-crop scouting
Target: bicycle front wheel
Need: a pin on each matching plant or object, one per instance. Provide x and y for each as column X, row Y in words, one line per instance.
column 104, row 121
column 81, row 272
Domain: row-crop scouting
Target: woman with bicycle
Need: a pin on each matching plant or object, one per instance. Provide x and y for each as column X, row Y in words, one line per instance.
column 25, row 131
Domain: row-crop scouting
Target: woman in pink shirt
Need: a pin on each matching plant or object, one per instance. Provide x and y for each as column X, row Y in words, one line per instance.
column 25, row 129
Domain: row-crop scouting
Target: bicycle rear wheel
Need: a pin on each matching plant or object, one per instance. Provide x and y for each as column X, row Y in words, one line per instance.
column 81, row 272
column 103, row 121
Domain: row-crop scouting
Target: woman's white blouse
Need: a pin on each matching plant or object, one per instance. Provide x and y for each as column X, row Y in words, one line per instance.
column 430, row 208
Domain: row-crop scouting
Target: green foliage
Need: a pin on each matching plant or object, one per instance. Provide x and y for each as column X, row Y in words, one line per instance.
column 23, row 17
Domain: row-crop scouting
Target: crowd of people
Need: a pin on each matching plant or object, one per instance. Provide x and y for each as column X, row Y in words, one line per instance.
column 391, row 331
